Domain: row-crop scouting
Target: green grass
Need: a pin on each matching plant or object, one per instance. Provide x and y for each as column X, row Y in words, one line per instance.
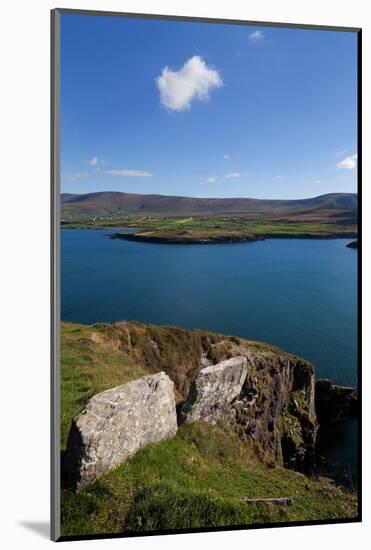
column 197, row 480
column 90, row 364
column 199, row 227
column 98, row 357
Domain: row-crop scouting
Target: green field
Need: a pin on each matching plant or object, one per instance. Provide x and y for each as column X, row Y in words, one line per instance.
column 195, row 228
column 198, row 478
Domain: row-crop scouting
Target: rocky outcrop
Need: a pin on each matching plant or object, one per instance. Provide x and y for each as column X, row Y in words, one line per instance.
column 213, row 391
column 118, row 422
column 299, row 421
column 276, row 409
column 335, row 403
column 267, row 396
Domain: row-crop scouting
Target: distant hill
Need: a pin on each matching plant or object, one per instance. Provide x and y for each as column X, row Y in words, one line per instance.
column 124, row 204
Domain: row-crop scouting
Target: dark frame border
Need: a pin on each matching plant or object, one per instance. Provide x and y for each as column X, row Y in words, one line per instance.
column 55, row 268
column 55, row 276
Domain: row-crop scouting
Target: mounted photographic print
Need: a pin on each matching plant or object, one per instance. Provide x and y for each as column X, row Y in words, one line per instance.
column 206, row 274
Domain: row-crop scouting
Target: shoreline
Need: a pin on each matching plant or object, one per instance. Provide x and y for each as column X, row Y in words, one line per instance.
column 224, row 239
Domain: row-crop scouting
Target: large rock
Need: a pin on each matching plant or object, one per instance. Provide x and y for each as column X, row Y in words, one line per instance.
column 214, row 390
column 118, row 422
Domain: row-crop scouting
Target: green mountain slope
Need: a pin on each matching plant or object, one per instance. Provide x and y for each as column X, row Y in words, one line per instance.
column 116, row 203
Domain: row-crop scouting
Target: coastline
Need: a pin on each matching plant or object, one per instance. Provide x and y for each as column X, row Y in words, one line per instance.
column 225, row 239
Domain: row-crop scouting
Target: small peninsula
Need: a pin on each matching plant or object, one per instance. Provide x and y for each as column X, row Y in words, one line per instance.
column 185, row 220
column 210, row 237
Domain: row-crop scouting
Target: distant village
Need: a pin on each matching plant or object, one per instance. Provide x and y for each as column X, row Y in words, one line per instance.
column 234, row 219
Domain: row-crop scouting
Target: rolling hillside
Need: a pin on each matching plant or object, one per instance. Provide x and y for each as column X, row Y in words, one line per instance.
column 76, row 206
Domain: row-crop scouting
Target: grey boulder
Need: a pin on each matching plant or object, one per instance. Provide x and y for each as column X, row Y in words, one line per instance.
column 117, row 423
column 214, row 390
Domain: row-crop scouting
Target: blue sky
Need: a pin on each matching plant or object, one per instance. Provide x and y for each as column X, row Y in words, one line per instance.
column 199, row 109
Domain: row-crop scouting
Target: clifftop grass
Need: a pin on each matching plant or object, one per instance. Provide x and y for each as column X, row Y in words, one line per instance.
column 196, row 479
column 98, row 357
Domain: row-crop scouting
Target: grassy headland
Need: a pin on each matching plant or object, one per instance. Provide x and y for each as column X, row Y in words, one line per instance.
column 180, row 230
column 198, row 478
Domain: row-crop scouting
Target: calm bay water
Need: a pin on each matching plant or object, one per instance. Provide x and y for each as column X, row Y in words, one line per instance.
column 300, row 295
column 297, row 294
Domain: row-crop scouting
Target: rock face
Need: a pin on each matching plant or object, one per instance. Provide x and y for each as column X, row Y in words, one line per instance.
column 118, row 422
column 267, row 395
column 213, row 391
column 334, row 403
column 276, row 408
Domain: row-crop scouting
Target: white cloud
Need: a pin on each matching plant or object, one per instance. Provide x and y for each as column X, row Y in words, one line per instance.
column 193, row 81
column 227, row 156
column 127, row 173
column 75, row 176
column 279, row 177
column 348, row 163
column 318, row 181
column 93, row 161
column 256, row 36
column 233, row 175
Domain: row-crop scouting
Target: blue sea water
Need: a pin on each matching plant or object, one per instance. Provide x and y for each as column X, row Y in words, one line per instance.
column 297, row 294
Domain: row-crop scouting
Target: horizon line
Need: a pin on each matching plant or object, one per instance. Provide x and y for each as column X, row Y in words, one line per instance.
column 212, row 198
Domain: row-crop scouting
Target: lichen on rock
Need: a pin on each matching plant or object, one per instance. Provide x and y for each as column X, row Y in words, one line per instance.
column 214, row 389
column 116, row 423
column 276, row 409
